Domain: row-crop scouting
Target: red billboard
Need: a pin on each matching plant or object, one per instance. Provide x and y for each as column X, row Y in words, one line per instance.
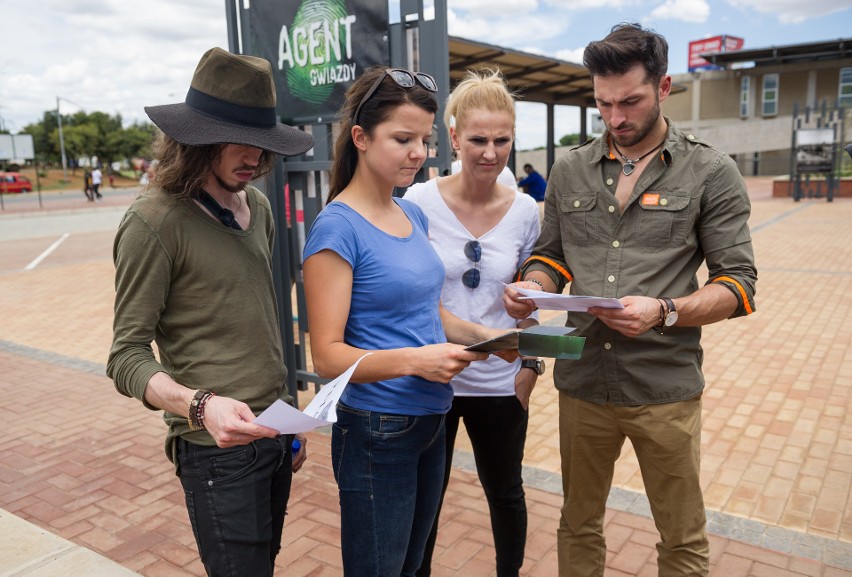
column 723, row 43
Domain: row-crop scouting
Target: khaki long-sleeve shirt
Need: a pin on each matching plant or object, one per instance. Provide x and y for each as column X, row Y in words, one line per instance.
column 689, row 205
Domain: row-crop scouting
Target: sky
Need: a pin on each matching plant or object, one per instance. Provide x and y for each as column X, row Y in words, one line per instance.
column 117, row 56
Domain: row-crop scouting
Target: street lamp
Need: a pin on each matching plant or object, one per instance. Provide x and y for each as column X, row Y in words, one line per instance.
column 61, row 141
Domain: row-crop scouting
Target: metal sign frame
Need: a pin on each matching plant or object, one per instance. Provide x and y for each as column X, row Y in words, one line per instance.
column 811, row 127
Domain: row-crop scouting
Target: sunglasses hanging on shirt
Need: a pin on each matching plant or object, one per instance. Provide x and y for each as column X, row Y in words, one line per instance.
column 223, row 214
column 473, row 252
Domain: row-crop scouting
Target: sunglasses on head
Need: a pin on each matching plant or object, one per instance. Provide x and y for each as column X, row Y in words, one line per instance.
column 473, row 252
column 403, row 78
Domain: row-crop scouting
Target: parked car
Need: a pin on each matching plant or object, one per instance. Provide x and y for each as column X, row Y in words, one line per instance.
column 14, row 182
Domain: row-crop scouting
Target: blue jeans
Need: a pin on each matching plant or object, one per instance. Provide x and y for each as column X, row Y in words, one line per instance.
column 389, row 470
column 237, row 499
column 497, row 427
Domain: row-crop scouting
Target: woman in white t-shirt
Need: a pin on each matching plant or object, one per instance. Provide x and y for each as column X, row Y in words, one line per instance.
column 483, row 231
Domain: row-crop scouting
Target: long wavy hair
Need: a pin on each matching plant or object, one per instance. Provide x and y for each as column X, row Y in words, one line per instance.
column 183, row 169
column 374, row 112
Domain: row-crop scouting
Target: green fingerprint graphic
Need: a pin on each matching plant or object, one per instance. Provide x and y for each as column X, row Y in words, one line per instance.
column 299, row 78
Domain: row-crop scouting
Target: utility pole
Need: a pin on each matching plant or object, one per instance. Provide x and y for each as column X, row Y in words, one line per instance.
column 61, row 141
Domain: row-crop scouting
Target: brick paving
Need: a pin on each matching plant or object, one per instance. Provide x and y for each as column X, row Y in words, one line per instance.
column 87, row 464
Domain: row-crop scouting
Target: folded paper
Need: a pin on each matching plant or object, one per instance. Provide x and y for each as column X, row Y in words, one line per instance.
column 537, row 341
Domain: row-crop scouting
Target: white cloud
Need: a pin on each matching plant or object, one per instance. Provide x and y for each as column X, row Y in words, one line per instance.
column 793, row 11
column 591, row 4
column 112, row 56
column 507, row 29
column 571, row 54
column 696, row 11
column 493, row 6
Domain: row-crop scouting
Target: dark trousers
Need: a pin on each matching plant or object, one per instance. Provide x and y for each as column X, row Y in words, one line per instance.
column 497, row 427
column 237, row 499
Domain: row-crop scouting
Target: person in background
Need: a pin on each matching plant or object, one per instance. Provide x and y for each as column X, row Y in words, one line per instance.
column 533, row 183
column 632, row 215
column 373, row 285
column 483, row 231
column 97, row 176
column 87, row 185
column 193, row 259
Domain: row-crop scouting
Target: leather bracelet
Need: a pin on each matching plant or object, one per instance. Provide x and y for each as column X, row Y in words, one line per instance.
column 659, row 326
column 197, row 399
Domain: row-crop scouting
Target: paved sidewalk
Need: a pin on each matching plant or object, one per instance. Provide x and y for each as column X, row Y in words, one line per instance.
column 87, row 465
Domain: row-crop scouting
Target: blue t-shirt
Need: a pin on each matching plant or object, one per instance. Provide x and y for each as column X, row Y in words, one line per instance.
column 536, row 185
column 396, row 289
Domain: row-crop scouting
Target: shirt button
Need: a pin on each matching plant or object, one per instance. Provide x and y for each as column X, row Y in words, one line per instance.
column 576, row 203
column 607, row 346
column 690, row 136
column 612, row 209
column 615, row 244
column 609, row 181
column 611, row 278
column 664, row 202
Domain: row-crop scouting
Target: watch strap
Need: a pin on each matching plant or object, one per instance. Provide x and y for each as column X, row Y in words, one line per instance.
column 535, row 364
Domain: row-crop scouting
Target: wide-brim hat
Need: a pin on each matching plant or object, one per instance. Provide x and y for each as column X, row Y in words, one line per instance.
column 231, row 100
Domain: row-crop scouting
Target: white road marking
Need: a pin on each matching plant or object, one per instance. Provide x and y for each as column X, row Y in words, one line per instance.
column 46, row 253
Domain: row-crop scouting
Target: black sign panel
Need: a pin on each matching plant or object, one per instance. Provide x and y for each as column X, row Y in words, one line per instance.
column 317, row 49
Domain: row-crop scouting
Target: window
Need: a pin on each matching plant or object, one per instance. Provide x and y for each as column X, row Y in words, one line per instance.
column 770, row 95
column 745, row 95
column 844, row 97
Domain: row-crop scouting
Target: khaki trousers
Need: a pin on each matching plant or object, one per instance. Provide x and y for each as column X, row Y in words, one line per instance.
column 666, row 439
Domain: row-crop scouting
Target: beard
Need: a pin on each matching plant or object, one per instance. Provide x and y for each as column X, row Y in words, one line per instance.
column 235, row 188
column 642, row 130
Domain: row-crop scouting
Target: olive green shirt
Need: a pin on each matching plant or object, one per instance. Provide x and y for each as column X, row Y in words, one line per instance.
column 689, row 205
column 204, row 293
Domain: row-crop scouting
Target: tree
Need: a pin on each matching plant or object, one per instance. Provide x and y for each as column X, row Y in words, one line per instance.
column 569, row 140
column 90, row 134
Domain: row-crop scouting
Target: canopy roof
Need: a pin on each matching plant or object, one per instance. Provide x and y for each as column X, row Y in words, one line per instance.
column 827, row 50
column 535, row 78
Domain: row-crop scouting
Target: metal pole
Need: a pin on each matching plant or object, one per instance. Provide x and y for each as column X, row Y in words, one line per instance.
column 61, row 141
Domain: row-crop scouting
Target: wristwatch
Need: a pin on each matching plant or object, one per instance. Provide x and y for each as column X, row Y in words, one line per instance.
column 670, row 316
column 535, row 364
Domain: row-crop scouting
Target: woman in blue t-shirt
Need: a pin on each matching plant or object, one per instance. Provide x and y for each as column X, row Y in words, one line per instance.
column 373, row 284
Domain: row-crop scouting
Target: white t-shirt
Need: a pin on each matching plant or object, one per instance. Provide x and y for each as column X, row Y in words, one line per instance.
column 504, row 248
column 506, row 178
column 96, row 176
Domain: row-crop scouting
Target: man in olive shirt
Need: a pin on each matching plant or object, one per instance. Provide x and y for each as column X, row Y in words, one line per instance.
column 193, row 259
column 632, row 215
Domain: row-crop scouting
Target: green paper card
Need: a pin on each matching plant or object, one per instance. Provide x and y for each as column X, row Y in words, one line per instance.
column 537, row 341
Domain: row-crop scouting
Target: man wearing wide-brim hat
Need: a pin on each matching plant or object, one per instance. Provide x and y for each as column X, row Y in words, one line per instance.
column 194, row 274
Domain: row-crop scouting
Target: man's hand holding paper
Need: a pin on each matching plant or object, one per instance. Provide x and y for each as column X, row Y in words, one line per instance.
column 558, row 302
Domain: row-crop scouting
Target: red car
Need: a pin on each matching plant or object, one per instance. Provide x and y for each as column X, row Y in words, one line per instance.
column 13, row 182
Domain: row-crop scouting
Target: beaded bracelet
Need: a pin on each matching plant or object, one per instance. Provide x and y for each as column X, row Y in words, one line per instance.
column 202, row 404
column 539, row 283
column 197, row 399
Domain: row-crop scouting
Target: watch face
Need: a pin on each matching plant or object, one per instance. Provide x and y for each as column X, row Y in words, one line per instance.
column 671, row 318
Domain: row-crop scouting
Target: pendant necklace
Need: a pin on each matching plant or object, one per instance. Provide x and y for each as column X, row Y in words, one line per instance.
column 630, row 165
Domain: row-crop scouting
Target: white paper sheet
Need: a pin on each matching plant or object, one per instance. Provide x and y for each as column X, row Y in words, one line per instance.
column 576, row 303
column 286, row 419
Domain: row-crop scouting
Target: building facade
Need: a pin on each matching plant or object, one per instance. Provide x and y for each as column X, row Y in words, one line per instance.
column 752, row 112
